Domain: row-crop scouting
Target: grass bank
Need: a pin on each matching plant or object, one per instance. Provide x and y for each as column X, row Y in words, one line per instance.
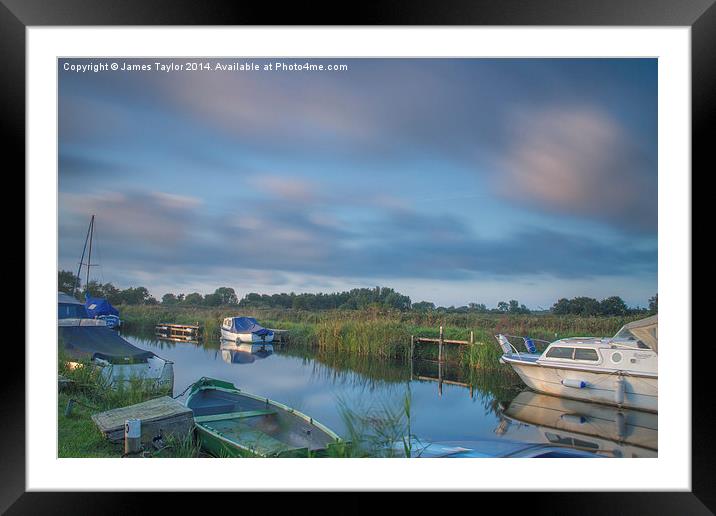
column 77, row 435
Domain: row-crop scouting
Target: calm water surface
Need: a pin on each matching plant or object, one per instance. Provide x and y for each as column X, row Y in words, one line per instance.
column 465, row 406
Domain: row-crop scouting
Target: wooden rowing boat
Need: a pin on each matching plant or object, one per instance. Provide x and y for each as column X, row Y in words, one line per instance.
column 232, row 423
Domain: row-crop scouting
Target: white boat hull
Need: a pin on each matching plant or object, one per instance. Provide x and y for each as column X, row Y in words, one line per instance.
column 250, row 338
column 639, row 392
column 156, row 371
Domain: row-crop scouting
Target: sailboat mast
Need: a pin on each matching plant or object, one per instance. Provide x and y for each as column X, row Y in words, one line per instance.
column 82, row 258
column 89, row 257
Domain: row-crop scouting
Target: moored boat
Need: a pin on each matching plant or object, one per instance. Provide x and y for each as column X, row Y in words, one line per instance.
column 84, row 339
column 234, row 423
column 100, row 308
column 620, row 370
column 245, row 329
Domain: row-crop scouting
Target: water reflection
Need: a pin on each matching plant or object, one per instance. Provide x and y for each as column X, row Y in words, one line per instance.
column 601, row 429
column 233, row 353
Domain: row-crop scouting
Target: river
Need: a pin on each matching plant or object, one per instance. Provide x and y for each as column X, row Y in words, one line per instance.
column 472, row 409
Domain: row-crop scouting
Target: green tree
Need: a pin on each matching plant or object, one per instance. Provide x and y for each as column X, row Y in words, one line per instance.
column 66, row 281
column 193, row 299
column 614, row 305
column 561, row 307
column 503, row 307
column 654, row 304
column 169, row 299
column 423, row 306
column 226, row 296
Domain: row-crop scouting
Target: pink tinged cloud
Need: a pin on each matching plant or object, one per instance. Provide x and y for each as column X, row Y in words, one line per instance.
column 579, row 162
column 156, row 218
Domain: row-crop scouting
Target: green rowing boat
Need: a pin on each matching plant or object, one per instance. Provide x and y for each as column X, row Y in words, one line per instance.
column 232, row 423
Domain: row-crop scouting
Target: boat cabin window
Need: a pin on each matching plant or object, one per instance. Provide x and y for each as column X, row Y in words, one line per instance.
column 560, row 352
column 586, row 354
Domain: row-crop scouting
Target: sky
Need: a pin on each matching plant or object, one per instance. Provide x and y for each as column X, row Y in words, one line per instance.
column 451, row 180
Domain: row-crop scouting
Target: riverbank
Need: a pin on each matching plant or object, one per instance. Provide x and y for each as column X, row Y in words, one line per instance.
column 384, row 333
column 84, row 394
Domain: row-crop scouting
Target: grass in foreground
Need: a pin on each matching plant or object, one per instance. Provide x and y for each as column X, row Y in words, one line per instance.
column 77, row 435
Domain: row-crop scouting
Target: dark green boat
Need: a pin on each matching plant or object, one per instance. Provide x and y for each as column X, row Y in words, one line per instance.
column 232, row 423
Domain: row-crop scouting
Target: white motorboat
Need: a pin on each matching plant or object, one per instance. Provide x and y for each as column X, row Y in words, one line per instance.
column 245, row 329
column 83, row 339
column 620, row 370
column 605, row 430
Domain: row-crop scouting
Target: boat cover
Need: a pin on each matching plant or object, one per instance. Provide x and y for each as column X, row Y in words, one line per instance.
column 645, row 330
column 99, row 306
column 90, row 342
column 248, row 325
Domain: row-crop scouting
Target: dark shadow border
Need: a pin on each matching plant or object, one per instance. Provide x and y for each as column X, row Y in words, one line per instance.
column 700, row 15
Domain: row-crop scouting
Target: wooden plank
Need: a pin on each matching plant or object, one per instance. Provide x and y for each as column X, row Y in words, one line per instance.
column 162, row 415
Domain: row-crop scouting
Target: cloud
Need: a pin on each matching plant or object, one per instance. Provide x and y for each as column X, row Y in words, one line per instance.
column 164, row 234
column 130, row 221
column 285, row 187
column 580, row 162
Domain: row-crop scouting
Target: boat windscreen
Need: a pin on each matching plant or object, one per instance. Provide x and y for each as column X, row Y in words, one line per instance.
column 645, row 331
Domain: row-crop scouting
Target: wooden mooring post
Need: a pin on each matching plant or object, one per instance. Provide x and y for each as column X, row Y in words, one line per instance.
column 440, row 346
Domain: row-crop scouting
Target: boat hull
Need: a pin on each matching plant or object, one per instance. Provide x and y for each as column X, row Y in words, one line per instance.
column 639, row 392
column 156, row 372
column 249, row 338
column 231, row 423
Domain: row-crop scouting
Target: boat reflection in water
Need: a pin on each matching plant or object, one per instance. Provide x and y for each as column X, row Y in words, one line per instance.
column 601, row 429
column 235, row 353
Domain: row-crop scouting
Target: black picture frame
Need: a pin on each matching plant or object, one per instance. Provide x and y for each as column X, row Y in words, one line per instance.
column 699, row 15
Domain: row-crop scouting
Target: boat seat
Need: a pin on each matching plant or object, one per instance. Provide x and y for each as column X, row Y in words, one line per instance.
column 214, row 407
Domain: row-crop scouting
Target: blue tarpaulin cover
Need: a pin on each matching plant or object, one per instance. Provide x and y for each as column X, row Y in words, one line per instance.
column 248, row 325
column 99, row 306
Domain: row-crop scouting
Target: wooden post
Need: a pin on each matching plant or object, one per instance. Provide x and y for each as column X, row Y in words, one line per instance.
column 472, row 337
column 440, row 376
column 440, row 346
column 412, row 350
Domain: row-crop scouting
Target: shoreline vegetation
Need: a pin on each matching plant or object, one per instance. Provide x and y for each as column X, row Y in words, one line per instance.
column 383, row 333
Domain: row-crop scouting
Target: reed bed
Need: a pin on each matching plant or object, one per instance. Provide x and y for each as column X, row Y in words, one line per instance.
column 385, row 333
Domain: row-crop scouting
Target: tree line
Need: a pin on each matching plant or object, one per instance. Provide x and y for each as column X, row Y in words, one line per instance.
column 355, row 299
column 587, row 306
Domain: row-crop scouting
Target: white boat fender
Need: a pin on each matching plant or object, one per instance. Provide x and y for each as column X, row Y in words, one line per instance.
column 619, row 390
column 577, row 384
column 575, row 419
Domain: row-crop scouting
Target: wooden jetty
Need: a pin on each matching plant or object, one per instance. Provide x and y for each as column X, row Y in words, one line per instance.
column 440, row 341
column 179, row 332
column 163, row 416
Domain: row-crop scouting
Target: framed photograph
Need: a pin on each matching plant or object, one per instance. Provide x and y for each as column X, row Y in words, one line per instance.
column 412, row 254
